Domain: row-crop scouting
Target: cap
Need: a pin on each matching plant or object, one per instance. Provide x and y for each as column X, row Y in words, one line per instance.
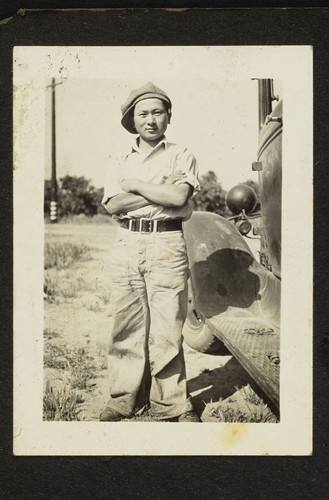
column 147, row 91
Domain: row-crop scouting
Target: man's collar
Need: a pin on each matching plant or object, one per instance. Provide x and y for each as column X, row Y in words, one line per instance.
column 135, row 145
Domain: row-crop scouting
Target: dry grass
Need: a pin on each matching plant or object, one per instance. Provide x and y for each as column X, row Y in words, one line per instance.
column 244, row 406
column 61, row 405
column 54, row 356
column 92, row 304
column 104, row 296
column 83, row 219
column 82, row 368
column 77, row 363
column 49, row 334
column 59, row 287
column 62, row 282
column 79, row 368
column 64, row 255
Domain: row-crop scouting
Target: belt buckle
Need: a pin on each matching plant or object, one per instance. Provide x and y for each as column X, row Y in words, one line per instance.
column 152, row 225
column 141, row 222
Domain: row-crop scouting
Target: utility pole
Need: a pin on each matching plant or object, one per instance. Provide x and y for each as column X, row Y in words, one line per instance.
column 53, row 195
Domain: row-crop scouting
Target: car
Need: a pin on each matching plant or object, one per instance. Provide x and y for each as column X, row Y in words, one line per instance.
column 234, row 298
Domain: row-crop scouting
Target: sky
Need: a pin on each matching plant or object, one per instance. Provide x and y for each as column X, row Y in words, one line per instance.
column 214, row 96
column 217, row 120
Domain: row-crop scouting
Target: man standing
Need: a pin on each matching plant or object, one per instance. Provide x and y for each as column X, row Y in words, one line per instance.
column 148, row 191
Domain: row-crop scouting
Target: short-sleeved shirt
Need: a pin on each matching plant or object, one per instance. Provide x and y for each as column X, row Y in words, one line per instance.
column 164, row 159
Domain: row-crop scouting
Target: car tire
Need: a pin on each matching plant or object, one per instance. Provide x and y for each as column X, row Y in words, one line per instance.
column 197, row 334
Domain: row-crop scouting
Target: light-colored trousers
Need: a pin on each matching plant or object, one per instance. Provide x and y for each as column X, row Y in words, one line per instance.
column 149, row 303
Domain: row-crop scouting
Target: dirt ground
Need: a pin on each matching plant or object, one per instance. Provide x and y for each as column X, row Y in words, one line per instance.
column 78, row 321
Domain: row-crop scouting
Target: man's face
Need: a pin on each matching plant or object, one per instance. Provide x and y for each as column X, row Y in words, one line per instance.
column 151, row 119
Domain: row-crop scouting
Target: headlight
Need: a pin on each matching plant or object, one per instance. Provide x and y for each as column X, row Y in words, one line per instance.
column 241, row 197
column 243, row 226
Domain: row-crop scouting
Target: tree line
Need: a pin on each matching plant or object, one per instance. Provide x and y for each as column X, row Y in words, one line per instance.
column 76, row 195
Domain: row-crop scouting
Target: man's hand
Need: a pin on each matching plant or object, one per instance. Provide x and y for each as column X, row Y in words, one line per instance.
column 129, row 185
column 173, row 177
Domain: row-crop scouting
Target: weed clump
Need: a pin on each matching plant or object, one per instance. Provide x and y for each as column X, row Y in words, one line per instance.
column 54, row 357
column 79, row 365
column 64, row 255
column 104, row 296
column 61, row 405
column 243, row 406
column 82, row 368
column 50, row 334
column 59, row 289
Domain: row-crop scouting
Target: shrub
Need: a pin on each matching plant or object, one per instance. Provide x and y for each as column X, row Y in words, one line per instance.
column 211, row 197
column 75, row 195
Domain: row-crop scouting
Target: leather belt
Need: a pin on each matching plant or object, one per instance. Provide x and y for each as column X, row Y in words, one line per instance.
column 151, row 225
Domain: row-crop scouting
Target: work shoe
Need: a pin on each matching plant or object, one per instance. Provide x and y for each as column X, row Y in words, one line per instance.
column 110, row 415
column 189, row 416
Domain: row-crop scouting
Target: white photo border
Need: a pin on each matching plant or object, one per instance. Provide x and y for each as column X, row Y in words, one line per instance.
column 33, row 67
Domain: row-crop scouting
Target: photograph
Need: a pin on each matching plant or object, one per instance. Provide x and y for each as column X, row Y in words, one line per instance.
column 157, row 281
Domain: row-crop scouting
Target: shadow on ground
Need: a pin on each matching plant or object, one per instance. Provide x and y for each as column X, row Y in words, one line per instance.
column 219, row 383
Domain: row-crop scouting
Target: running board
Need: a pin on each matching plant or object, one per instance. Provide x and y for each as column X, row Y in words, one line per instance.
column 255, row 343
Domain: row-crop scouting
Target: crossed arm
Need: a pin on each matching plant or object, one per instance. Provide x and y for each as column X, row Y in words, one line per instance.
column 139, row 194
